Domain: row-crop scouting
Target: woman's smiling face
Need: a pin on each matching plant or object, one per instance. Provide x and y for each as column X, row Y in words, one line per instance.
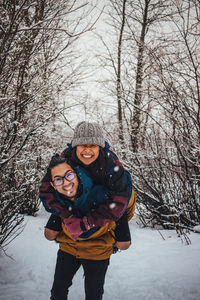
column 87, row 153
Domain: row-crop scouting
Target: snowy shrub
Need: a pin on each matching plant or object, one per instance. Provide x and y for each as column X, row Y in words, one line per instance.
column 35, row 37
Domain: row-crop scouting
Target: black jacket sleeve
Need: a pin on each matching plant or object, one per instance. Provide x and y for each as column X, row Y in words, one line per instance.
column 54, row 223
column 122, row 231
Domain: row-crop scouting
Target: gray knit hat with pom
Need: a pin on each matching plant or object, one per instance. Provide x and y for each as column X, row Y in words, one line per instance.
column 88, row 133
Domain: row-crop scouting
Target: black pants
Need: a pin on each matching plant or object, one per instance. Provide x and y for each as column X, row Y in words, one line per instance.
column 67, row 266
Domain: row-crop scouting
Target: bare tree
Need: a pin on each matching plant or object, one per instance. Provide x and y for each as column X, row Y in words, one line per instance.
column 37, row 61
column 159, row 80
column 168, row 180
column 132, row 27
column 119, row 87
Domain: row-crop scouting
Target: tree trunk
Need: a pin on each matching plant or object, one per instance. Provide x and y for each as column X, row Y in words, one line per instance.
column 136, row 120
column 119, row 87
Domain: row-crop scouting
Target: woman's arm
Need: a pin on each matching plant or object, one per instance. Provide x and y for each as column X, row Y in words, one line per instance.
column 119, row 189
column 116, row 200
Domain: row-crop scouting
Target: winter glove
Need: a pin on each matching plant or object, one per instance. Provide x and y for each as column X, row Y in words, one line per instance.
column 76, row 226
column 72, row 224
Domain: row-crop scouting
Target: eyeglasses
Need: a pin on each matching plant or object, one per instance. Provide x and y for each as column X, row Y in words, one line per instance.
column 60, row 180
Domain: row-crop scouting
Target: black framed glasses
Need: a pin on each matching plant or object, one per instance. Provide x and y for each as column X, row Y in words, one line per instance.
column 60, row 179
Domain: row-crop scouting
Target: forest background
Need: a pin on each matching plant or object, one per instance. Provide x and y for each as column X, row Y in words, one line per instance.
column 131, row 66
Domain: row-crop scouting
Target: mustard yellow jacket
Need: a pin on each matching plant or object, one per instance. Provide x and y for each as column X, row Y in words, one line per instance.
column 99, row 245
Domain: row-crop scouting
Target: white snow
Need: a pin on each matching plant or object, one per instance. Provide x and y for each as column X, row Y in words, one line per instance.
column 151, row 269
column 196, row 228
column 116, row 168
column 112, row 205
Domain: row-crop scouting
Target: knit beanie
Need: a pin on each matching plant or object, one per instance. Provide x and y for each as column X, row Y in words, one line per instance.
column 88, row 133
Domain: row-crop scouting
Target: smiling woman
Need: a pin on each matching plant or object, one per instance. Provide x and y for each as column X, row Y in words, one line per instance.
column 87, row 153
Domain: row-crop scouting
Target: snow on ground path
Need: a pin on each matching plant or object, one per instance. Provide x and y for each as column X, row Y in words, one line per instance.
column 152, row 269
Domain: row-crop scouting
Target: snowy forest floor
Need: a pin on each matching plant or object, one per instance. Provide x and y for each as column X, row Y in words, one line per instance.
column 151, row 269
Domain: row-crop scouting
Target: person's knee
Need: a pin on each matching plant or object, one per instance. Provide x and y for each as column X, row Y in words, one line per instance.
column 123, row 245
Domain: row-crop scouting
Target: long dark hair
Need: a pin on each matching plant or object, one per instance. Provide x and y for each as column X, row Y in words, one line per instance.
column 56, row 160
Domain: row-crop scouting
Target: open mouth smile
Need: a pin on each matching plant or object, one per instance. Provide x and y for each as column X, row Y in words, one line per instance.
column 87, row 156
column 68, row 189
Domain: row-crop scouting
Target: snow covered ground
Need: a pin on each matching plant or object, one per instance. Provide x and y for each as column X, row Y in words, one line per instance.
column 152, row 269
